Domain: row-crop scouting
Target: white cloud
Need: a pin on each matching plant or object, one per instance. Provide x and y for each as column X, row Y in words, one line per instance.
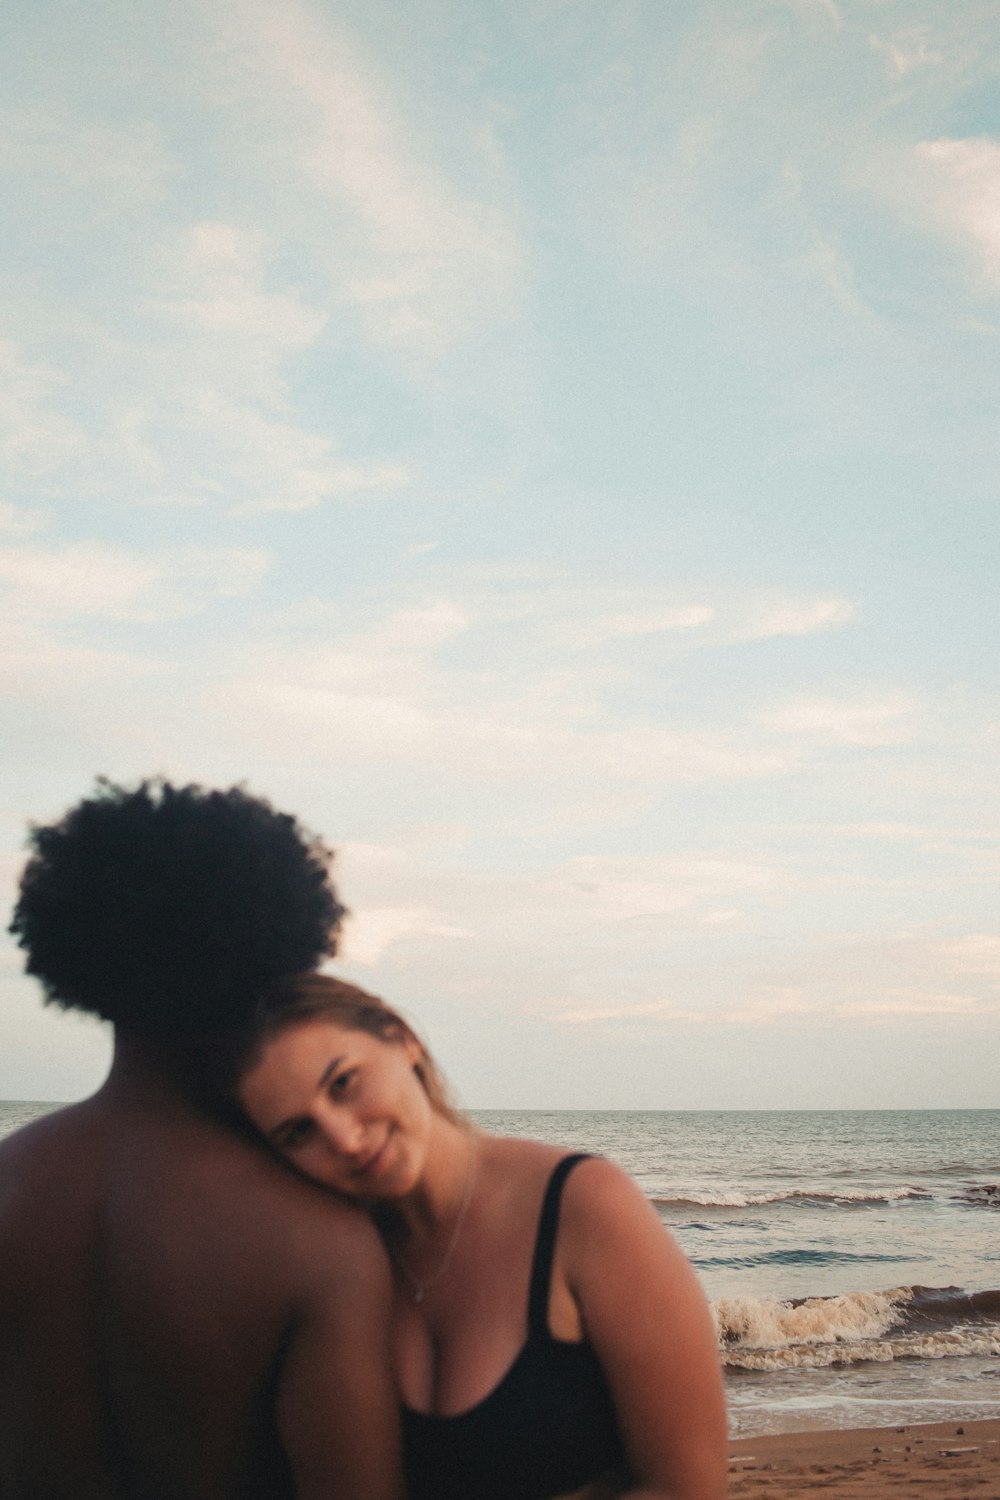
column 37, row 665
column 18, row 521
column 803, row 617
column 907, row 51
column 639, row 622
column 900, row 1003
column 370, row 931
column 621, row 889
column 425, row 721
column 33, row 437
column 828, row 264
column 431, row 263
column 772, row 1006
column 962, row 185
column 591, row 1015
column 263, row 464
column 975, row 953
column 844, row 721
column 98, row 581
column 214, row 289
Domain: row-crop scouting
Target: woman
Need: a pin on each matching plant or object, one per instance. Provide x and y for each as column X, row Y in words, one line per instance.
column 548, row 1334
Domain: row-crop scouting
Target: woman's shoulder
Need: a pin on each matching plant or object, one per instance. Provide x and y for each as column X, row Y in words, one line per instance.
column 592, row 1180
column 521, row 1164
column 520, row 1158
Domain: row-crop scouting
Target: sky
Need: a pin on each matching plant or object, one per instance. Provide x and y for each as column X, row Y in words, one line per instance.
column 553, row 450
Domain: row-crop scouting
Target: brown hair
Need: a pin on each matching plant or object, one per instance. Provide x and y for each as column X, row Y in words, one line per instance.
column 299, row 998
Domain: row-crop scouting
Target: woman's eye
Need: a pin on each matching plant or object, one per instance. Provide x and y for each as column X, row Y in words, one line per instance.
column 295, row 1134
column 340, row 1084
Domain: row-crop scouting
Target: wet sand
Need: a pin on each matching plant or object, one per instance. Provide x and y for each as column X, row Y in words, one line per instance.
column 941, row 1459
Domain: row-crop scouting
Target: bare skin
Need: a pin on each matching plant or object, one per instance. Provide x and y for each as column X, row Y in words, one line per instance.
column 181, row 1319
column 346, row 1108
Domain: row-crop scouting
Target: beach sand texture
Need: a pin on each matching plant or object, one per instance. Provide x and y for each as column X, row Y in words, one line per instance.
column 937, row 1460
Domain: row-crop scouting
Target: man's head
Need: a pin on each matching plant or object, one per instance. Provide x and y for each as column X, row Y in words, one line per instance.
column 166, row 910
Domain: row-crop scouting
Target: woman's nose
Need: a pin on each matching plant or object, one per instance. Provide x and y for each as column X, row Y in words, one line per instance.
column 343, row 1132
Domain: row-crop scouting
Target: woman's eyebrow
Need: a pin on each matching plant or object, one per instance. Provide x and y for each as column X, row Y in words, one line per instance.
column 331, row 1067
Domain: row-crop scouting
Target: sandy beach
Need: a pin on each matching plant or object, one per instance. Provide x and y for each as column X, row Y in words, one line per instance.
column 956, row 1460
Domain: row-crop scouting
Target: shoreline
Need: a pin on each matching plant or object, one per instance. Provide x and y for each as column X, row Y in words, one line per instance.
column 940, row 1460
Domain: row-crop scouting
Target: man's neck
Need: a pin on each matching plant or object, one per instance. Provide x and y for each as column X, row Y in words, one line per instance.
column 144, row 1068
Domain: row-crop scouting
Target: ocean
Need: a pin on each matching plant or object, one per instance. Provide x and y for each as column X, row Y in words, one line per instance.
column 852, row 1258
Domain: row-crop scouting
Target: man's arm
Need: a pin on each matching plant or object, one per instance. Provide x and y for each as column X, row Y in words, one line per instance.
column 337, row 1406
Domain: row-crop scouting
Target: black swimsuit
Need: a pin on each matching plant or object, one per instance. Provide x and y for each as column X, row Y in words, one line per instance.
column 546, row 1429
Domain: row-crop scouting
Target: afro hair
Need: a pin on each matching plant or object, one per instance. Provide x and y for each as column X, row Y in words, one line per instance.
column 166, row 910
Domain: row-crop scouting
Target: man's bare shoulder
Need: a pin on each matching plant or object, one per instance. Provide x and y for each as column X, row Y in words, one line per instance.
column 182, row 1185
column 232, row 1179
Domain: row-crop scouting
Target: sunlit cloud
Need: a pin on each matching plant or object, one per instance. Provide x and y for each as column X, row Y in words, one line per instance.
column 963, row 183
column 34, row 437
column 907, row 50
column 433, row 262
column 110, row 583
column 843, row 721
column 368, row 933
column 19, row 521
column 801, row 618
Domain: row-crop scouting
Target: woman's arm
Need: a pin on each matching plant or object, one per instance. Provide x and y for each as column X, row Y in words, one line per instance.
column 649, row 1324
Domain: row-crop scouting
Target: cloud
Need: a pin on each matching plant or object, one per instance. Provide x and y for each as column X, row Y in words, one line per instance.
column 98, row 581
column 642, row 622
column 33, row 437
column 37, row 665
column 262, row 464
column 901, row 1003
column 622, row 889
column 828, row 264
column 19, row 521
column 976, row 953
column 961, row 180
column 844, row 721
column 803, row 617
column 773, row 1006
column 431, row 262
column 908, row 50
column 369, row 932
column 216, row 414
column 387, row 716
column 214, row 291
column 763, row 1009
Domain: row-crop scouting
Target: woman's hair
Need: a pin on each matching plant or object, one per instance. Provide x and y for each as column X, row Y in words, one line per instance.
column 299, row 998
column 167, row 910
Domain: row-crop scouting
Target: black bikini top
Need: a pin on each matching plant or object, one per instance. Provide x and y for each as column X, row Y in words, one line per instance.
column 547, row 1428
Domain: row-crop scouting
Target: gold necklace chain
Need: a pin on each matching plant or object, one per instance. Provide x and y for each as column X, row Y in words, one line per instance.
column 420, row 1287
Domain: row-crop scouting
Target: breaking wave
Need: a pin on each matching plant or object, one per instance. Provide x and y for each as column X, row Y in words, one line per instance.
column 842, row 1198
column 908, row 1322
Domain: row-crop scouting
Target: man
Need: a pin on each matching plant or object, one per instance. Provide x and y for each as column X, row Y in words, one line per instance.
column 181, row 1318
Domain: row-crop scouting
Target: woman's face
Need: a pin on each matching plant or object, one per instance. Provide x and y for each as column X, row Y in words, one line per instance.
column 344, row 1106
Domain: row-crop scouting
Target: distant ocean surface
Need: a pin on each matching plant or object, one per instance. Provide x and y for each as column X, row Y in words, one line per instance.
column 852, row 1258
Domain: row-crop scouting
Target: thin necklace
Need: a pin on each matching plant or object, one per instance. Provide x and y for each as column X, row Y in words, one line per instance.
column 420, row 1287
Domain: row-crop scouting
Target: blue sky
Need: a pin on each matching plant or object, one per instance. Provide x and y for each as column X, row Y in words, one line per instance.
column 552, row 449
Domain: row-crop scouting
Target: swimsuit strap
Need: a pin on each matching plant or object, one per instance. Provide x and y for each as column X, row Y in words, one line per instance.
column 545, row 1244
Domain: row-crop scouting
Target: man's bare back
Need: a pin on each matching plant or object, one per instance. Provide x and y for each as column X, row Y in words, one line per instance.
column 181, row 1318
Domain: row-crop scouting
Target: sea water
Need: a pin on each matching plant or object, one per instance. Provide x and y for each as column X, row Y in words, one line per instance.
column 852, row 1258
